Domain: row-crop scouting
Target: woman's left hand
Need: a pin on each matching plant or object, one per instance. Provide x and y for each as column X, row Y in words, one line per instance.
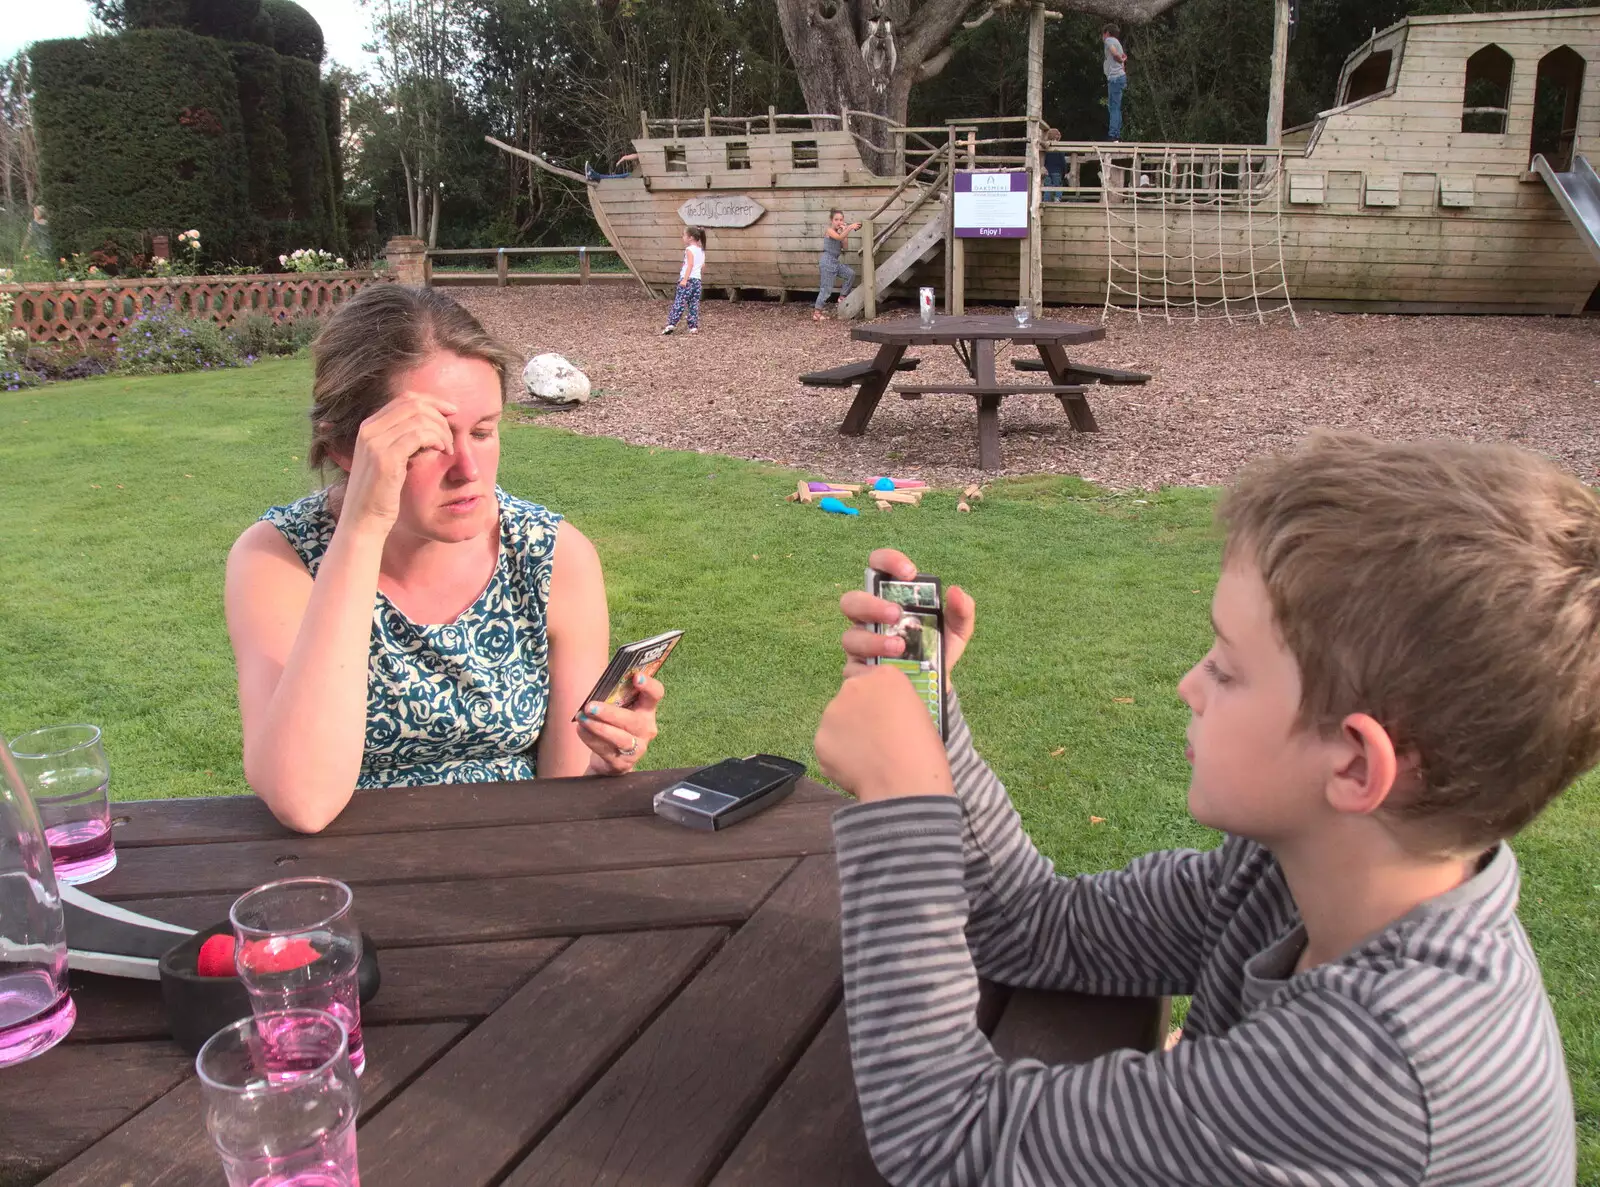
column 617, row 736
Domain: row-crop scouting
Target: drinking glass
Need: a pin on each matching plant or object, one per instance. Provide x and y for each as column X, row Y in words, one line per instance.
column 36, row 1011
column 296, row 946
column 65, row 770
column 1024, row 316
column 281, row 1100
column 926, row 306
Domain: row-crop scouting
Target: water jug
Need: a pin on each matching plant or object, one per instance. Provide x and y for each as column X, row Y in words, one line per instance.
column 36, row 1012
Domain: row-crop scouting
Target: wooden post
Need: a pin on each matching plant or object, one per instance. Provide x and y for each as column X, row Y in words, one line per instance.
column 1033, row 257
column 1280, row 67
column 950, row 230
column 708, row 121
column 644, row 124
column 959, row 252
column 502, row 268
column 583, row 265
column 427, row 270
column 869, row 269
column 772, row 120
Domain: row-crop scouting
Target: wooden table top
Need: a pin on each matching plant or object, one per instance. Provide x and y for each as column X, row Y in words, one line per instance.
column 945, row 331
column 574, row 992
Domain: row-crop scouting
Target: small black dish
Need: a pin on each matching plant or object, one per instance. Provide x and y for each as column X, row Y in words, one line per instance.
column 197, row 1007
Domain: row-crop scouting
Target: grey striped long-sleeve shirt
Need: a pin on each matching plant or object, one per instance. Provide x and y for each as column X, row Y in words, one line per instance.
column 1427, row 1056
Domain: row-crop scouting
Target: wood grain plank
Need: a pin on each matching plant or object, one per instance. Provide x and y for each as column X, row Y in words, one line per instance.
column 789, row 830
column 167, row 1145
column 1077, row 1027
column 408, row 915
column 677, row 1101
column 474, row 1111
column 412, row 809
column 810, row 1134
column 59, row 1104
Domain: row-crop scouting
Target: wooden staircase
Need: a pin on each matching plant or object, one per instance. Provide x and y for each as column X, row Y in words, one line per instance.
column 923, row 243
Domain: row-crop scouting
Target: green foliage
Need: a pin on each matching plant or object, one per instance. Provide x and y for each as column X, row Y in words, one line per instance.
column 313, row 205
column 261, row 336
column 141, row 130
column 261, row 108
column 295, row 32
column 230, row 20
column 165, row 339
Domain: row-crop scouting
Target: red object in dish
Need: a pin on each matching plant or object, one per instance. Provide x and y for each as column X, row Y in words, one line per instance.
column 216, row 957
column 279, row 955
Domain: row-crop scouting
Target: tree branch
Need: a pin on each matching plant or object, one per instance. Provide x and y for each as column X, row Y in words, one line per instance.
column 933, row 65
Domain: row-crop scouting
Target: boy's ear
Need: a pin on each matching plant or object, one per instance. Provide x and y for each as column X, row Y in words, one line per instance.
column 1367, row 767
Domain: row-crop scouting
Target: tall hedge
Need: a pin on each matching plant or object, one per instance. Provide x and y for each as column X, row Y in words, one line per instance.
column 311, row 188
column 141, row 130
column 229, row 20
column 295, row 32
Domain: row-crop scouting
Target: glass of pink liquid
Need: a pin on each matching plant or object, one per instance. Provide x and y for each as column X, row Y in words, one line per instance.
column 281, row 1100
column 36, row 1012
column 65, row 770
column 297, row 947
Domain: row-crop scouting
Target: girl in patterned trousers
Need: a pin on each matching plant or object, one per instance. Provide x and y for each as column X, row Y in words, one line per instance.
column 688, row 294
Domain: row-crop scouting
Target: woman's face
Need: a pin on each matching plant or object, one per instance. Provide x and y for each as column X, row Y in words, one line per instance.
column 450, row 496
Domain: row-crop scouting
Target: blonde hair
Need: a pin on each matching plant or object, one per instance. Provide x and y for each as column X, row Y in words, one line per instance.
column 383, row 330
column 1452, row 592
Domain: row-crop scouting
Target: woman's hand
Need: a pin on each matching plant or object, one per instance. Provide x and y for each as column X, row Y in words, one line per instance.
column 617, row 736
column 862, row 645
column 407, row 425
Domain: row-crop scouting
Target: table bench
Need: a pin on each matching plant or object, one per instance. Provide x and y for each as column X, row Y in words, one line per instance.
column 851, row 374
column 1087, row 372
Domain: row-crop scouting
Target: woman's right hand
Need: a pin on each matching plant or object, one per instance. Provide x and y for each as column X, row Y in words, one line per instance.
column 862, row 645
column 407, row 425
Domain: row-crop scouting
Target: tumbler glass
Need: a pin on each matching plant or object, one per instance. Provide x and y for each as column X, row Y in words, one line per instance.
column 65, row 769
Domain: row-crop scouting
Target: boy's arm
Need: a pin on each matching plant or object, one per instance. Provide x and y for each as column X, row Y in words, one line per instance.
column 1312, row 1091
column 1138, row 930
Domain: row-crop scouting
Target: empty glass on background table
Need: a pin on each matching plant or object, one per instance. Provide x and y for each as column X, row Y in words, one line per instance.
column 281, row 1100
column 36, row 1012
column 1024, row 316
column 296, row 946
column 66, row 773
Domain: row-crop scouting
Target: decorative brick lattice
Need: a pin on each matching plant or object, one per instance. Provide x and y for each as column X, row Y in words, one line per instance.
column 93, row 310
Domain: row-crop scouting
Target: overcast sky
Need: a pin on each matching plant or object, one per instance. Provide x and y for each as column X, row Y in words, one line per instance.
column 345, row 25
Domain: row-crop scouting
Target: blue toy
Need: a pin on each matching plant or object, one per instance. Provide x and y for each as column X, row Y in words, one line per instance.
column 883, row 484
column 832, row 504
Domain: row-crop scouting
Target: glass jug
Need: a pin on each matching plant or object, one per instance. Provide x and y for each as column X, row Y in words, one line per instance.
column 36, row 1012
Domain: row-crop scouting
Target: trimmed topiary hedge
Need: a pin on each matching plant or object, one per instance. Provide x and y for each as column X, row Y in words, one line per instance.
column 295, row 32
column 229, row 20
column 140, row 130
column 311, row 188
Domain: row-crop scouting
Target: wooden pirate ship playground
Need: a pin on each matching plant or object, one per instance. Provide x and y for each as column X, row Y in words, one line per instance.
column 1448, row 177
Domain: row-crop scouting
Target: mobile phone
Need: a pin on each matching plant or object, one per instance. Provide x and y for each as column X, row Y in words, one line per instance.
column 921, row 628
column 729, row 791
column 616, row 686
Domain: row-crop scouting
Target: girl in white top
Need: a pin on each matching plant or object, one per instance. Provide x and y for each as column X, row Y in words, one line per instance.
column 688, row 294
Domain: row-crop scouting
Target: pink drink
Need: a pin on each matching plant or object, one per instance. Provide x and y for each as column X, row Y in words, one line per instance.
column 339, row 997
column 34, row 1014
column 81, row 850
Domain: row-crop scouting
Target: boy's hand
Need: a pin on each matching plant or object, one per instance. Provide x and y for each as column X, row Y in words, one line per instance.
column 878, row 741
column 862, row 645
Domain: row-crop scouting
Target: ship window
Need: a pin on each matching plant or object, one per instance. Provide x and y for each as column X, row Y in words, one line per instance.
column 1556, row 93
column 803, row 154
column 1488, row 91
column 738, row 154
column 677, row 158
column 1367, row 79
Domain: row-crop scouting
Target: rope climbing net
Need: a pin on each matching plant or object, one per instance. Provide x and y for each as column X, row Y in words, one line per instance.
column 1194, row 232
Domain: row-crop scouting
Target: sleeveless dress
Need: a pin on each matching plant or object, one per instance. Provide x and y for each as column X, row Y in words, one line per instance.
column 457, row 702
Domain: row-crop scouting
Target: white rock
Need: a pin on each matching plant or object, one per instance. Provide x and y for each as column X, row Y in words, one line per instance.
column 550, row 378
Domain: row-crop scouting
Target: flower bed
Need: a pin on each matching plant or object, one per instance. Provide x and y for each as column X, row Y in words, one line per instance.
column 88, row 311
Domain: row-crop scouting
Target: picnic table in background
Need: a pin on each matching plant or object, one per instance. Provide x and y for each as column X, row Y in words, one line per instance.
column 973, row 339
column 574, row 992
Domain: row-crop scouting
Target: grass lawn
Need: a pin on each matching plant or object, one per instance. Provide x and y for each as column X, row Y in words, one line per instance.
column 120, row 497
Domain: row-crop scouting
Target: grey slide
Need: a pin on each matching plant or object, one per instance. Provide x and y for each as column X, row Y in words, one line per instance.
column 1578, row 192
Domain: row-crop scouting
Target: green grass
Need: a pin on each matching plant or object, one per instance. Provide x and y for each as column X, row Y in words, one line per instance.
column 120, row 498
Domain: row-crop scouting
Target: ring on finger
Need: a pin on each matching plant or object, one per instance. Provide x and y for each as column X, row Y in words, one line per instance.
column 633, row 747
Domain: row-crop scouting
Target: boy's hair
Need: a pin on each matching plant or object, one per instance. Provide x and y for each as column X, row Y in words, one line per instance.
column 1109, row 29
column 698, row 234
column 1452, row 592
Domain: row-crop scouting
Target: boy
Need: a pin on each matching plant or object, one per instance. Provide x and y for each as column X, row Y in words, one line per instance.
column 1404, row 673
column 1116, row 70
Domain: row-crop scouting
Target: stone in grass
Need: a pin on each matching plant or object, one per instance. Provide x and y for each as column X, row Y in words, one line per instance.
column 551, row 379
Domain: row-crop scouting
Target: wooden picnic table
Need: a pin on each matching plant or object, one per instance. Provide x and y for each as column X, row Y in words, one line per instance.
column 574, row 993
column 974, row 341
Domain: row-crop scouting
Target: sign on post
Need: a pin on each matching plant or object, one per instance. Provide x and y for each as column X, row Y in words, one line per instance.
column 991, row 204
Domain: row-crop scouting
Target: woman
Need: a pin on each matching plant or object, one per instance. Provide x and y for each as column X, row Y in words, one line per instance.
column 413, row 623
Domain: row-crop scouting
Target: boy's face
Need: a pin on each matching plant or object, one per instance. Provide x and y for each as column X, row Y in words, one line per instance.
column 1256, row 773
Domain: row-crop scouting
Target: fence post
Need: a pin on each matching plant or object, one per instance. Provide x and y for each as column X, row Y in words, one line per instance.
column 502, row 268
column 583, row 265
column 869, row 269
column 427, row 270
column 708, row 121
column 644, row 124
column 772, row 120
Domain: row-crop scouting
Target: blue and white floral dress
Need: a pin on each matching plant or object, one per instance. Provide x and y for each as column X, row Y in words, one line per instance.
column 457, row 702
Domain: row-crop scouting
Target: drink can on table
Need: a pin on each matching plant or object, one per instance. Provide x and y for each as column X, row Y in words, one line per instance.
column 297, row 947
column 925, row 302
column 65, row 771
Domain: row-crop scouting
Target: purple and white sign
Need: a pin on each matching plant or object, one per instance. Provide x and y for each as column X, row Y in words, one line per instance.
column 992, row 204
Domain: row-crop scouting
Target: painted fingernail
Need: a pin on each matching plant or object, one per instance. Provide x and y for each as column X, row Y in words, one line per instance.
column 639, row 679
column 594, row 709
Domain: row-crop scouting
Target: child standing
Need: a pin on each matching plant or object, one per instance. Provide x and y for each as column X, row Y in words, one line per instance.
column 832, row 264
column 688, row 294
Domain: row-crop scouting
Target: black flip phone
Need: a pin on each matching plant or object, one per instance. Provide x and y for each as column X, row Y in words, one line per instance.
column 921, row 628
column 729, row 791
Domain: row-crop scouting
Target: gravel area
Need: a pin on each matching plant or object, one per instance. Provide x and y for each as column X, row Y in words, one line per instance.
column 1221, row 394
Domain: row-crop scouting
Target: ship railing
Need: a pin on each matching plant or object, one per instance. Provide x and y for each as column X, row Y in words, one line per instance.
column 1167, row 174
column 706, row 124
